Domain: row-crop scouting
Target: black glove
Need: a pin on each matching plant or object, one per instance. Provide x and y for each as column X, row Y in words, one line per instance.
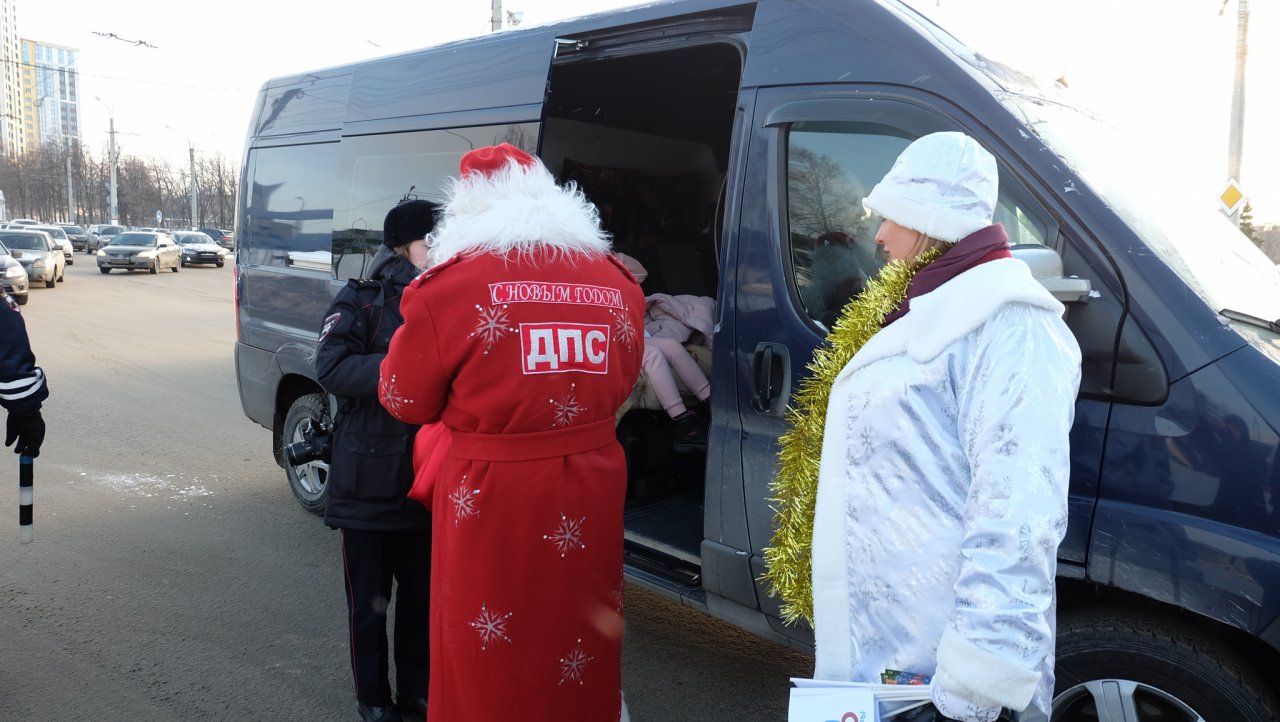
column 28, row 431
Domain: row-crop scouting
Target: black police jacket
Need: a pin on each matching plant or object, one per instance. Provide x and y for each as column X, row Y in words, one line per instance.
column 371, row 469
column 22, row 383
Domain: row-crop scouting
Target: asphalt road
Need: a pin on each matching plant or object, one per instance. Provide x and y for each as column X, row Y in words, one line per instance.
column 173, row 577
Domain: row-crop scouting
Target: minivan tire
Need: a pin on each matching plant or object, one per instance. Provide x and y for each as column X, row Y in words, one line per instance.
column 309, row 483
column 1153, row 662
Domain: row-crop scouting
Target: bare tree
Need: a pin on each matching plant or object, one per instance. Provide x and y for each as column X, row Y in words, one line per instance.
column 35, row 186
column 821, row 198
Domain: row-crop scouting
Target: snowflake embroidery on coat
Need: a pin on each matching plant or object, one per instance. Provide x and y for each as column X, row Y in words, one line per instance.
column 389, row 394
column 566, row 409
column 623, row 330
column 572, row 664
column 464, row 501
column 492, row 325
column 491, row 626
column 567, row 536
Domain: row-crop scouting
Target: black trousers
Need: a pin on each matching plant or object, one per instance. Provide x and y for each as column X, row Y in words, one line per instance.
column 370, row 560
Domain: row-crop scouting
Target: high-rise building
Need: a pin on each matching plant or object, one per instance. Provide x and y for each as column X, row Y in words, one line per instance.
column 12, row 137
column 50, row 104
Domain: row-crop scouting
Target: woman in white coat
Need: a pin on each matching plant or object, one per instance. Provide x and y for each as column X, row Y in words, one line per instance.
column 942, row 488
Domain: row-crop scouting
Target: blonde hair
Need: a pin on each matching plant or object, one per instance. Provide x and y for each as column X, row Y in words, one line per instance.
column 926, row 243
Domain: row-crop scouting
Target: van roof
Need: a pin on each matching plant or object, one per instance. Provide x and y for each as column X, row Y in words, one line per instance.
column 502, row 77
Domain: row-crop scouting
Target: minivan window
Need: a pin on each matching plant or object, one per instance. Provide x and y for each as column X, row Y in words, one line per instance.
column 377, row 171
column 831, row 167
column 290, row 205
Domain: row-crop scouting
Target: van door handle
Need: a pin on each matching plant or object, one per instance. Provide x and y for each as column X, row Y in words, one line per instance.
column 768, row 370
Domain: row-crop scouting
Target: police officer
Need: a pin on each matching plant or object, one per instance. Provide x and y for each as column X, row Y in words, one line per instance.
column 22, row 383
column 385, row 535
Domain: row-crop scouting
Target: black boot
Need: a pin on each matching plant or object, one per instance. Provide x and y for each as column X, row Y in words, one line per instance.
column 412, row 709
column 690, row 433
column 370, row 713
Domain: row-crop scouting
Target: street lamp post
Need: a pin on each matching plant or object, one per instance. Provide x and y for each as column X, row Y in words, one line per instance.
column 113, row 211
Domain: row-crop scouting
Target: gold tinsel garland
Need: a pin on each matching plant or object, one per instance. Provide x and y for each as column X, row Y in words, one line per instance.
column 788, row 559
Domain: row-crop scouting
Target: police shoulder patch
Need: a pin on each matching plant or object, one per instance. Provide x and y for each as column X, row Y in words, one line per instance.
column 11, row 304
column 329, row 322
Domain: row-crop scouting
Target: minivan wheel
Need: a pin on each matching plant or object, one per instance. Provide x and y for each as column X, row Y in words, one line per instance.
column 1116, row 666
column 309, row 482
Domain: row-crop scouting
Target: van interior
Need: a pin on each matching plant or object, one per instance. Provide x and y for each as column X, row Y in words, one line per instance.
column 646, row 136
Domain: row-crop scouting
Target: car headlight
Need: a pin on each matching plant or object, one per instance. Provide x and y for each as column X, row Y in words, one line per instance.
column 39, row 263
column 101, row 252
column 147, row 254
column 14, row 271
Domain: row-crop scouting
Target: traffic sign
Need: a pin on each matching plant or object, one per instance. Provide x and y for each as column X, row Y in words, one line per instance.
column 159, row 217
column 1232, row 198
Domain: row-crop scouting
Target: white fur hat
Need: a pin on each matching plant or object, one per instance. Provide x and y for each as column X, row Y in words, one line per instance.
column 944, row 185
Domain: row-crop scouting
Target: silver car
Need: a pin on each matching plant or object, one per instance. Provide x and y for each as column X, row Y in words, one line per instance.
column 198, row 247
column 141, row 250
column 13, row 277
column 61, row 238
column 38, row 254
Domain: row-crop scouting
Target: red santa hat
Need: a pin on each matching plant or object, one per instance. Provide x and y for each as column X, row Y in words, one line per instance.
column 490, row 159
column 505, row 200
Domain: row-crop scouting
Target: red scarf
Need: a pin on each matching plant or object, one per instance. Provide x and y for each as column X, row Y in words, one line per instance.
column 974, row 249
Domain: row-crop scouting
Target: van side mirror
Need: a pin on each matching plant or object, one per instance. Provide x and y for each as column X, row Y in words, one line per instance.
column 1046, row 266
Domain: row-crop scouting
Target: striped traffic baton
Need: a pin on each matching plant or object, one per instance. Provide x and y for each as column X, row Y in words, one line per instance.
column 26, row 495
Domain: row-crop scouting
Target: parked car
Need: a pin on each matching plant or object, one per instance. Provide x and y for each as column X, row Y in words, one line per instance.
column 199, row 248
column 221, row 237
column 140, row 250
column 42, row 259
column 1169, row 572
column 78, row 236
column 13, row 276
column 101, row 235
column 60, row 238
column 23, row 222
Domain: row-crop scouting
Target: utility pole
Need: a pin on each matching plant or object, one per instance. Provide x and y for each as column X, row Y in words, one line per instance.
column 71, row 199
column 114, row 211
column 496, row 20
column 195, row 203
column 1235, row 141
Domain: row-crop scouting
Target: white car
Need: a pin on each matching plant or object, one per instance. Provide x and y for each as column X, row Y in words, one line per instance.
column 38, row 254
column 13, row 277
column 60, row 237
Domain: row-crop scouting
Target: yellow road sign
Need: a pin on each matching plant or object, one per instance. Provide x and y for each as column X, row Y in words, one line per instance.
column 1232, row 198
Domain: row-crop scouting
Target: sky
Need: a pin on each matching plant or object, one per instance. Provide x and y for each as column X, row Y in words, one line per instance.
column 1160, row 69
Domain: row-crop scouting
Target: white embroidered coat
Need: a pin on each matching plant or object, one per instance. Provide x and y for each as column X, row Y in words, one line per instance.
column 942, row 493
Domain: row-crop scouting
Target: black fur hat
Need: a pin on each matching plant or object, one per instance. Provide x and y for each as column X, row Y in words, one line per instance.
column 409, row 221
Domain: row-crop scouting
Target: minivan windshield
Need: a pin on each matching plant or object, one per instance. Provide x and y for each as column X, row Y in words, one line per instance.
column 1188, row 233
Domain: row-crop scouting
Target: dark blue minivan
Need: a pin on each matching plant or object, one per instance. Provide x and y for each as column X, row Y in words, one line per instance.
column 724, row 142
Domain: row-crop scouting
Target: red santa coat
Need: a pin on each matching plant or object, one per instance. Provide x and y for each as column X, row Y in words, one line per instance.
column 525, row 357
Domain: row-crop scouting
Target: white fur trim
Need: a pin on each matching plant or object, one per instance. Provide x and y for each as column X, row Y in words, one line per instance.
column 944, row 224
column 518, row 209
column 954, row 310
column 978, row 676
column 833, row 648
